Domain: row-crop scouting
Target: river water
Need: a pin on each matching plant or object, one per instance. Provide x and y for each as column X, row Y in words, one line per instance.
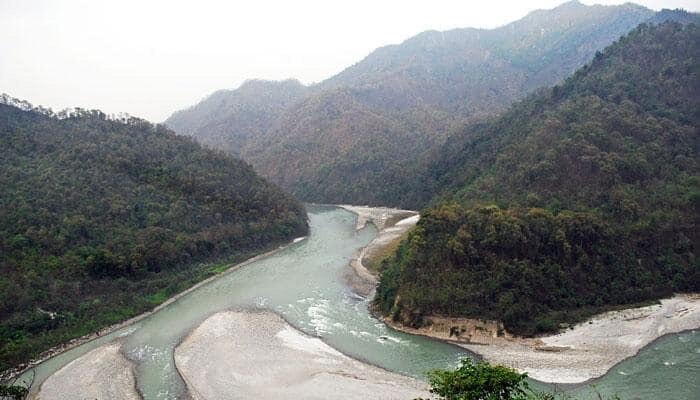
column 304, row 283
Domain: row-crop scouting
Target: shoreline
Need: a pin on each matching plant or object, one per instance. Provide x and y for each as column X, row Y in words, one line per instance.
column 391, row 224
column 578, row 356
column 512, row 350
column 593, row 381
column 76, row 342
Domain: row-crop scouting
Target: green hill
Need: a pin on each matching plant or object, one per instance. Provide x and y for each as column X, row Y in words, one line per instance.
column 578, row 198
column 101, row 219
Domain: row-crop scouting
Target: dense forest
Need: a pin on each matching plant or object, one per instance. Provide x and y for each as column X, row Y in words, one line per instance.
column 580, row 197
column 362, row 135
column 101, row 219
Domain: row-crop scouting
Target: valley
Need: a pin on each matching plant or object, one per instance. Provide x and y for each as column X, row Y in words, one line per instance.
column 504, row 212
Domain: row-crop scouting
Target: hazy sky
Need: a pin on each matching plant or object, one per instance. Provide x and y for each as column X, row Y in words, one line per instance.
column 150, row 58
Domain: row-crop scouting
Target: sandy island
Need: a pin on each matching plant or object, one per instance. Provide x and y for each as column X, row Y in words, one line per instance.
column 103, row 373
column 576, row 355
column 257, row 355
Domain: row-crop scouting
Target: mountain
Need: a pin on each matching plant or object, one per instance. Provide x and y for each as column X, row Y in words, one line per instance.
column 469, row 72
column 579, row 198
column 365, row 128
column 101, row 219
column 229, row 119
column 316, row 149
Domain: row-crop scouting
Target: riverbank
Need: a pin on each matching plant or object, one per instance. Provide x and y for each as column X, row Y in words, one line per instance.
column 392, row 224
column 56, row 350
column 246, row 354
column 584, row 352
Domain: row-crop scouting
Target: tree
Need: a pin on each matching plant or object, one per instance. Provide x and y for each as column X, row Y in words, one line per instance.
column 479, row 381
column 14, row 391
column 482, row 381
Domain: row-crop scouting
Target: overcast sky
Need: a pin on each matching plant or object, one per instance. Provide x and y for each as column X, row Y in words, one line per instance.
column 150, row 58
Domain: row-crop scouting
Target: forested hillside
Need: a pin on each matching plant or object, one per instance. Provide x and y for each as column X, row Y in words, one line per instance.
column 229, row 119
column 359, row 136
column 579, row 198
column 101, row 219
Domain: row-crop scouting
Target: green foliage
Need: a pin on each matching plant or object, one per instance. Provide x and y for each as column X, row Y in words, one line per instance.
column 529, row 268
column 591, row 193
column 619, row 135
column 101, row 219
column 482, row 381
column 478, row 381
column 13, row 392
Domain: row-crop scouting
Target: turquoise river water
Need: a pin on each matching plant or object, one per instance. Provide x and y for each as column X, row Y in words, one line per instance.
column 304, row 283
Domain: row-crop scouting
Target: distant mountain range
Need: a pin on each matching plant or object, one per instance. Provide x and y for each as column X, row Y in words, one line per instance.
column 358, row 136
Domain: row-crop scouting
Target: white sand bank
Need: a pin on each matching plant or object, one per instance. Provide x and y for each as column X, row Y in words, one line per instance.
column 102, row 373
column 392, row 223
column 257, row 355
column 379, row 216
column 591, row 348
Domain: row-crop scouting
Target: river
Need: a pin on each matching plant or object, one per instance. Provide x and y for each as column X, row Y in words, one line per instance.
column 304, row 283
